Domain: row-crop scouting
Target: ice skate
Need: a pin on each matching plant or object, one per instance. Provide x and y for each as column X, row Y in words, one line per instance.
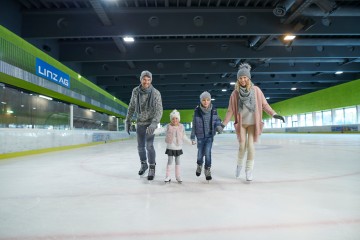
column 167, row 179
column 167, row 175
column 198, row 170
column 151, row 173
column 208, row 174
column 177, row 174
column 249, row 175
column 178, row 179
column 237, row 172
column 143, row 168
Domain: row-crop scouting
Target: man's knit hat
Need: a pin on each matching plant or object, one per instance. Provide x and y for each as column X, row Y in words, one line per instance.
column 205, row 95
column 174, row 113
column 244, row 70
column 146, row 73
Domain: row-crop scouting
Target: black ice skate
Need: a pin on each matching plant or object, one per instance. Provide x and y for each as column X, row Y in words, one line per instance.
column 198, row 170
column 151, row 173
column 143, row 168
column 208, row 174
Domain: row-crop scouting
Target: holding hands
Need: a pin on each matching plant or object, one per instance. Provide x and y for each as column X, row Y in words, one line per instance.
column 220, row 129
column 279, row 117
column 150, row 129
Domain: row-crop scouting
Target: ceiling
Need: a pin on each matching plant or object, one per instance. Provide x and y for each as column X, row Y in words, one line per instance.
column 196, row 45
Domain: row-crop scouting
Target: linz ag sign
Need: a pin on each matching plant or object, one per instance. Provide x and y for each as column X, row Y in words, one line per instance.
column 51, row 73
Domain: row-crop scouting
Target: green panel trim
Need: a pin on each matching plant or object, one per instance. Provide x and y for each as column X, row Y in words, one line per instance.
column 30, row 49
column 46, row 150
column 343, row 95
column 38, row 89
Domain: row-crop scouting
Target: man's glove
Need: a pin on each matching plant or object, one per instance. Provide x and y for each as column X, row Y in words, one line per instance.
column 127, row 126
column 279, row 117
column 150, row 129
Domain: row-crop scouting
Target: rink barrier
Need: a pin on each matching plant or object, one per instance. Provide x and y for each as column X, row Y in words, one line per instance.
column 21, row 142
column 348, row 128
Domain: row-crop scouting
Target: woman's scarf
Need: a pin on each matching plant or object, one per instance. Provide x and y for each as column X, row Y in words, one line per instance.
column 247, row 98
column 150, row 100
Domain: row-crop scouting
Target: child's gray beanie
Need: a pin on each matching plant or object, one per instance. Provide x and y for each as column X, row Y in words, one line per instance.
column 244, row 70
column 205, row 95
column 146, row 73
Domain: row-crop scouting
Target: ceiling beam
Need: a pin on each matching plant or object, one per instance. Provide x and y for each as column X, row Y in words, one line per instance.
column 198, row 50
column 209, row 67
column 213, row 78
column 166, row 22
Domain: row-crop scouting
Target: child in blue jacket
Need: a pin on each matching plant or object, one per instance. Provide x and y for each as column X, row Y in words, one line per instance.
column 206, row 123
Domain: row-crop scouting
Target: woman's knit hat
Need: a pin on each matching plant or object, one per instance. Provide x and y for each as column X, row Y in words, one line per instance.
column 205, row 95
column 146, row 73
column 174, row 113
column 244, row 70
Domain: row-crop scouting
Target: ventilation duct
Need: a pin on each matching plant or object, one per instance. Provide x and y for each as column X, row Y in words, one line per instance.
column 282, row 7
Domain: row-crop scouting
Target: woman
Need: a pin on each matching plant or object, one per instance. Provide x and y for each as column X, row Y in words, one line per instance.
column 247, row 103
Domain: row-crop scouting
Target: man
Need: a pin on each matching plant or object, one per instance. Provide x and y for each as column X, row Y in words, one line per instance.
column 147, row 104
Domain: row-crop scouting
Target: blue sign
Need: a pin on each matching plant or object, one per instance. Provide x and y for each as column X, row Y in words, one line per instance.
column 48, row 72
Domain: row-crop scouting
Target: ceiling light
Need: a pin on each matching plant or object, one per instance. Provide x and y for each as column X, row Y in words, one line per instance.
column 267, row 98
column 128, row 39
column 45, row 97
column 213, row 99
column 339, row 72
column 224, row 90
column 289, row 37
column 232, row 83
column 3, row 102
column 92, row 110
column 293, row 88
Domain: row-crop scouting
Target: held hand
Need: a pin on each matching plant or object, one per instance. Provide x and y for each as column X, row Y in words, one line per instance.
column 150, row 129
column 219, row 129
column 193, row 142
column 127, row 127
column 279, row 117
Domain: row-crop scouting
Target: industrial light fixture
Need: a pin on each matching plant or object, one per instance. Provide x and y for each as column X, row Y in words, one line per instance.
column 92, row 110
column 128, row 39
column 45, row 97
column 339, row 72
column 289, row 37
column 267, row 98
column 232, row 83
column 213, row 99
column 224, row 90
column 293, row 88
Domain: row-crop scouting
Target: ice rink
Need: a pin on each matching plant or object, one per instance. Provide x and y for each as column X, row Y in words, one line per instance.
column 306, row 186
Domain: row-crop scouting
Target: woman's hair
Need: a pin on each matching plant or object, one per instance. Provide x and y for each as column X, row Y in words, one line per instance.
column 248, row 84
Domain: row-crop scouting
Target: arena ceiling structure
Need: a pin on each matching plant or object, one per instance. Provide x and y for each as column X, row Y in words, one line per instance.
column 195, row 45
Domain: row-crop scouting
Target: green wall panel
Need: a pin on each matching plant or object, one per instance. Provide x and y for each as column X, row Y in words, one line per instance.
column 18, row 52
column 343, row 95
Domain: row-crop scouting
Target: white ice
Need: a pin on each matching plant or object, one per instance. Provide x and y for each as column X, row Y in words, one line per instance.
column 306, row 186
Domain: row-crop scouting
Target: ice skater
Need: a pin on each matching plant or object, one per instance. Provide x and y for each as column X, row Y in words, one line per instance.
column 146, row 102
column 206, row 123
column 175, row 136
column 247, row 103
